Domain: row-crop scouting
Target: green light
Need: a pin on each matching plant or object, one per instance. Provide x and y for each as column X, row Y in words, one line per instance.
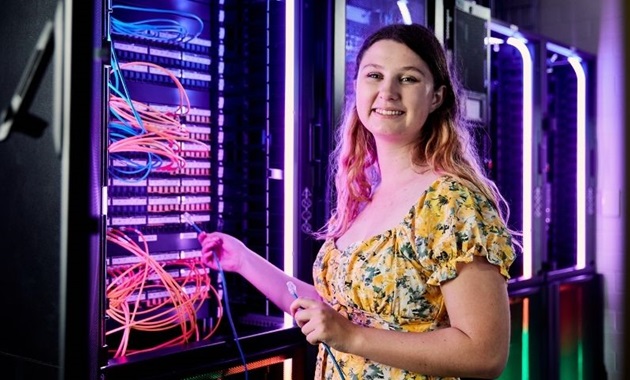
column 580, row 360
column 525, row 355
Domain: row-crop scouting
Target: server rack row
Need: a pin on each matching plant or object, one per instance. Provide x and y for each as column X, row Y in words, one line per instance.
column 543, row 158
column 237, row 179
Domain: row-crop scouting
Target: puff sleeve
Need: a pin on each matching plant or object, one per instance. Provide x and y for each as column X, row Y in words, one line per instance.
column 458, row 224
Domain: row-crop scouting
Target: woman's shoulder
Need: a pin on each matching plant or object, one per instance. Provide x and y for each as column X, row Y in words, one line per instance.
column 452, row 190
column 447, row 184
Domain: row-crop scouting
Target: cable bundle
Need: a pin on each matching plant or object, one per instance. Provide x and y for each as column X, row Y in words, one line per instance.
column 156, row 28
column 176, row 309
column 142, row 138
column 138, row 130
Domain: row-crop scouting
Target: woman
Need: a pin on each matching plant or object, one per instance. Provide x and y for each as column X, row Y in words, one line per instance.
column 411, row 280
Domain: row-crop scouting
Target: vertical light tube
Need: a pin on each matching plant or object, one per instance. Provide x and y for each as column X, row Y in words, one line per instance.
column 287, row 372
column 439, row 20
column 289, row 142
column 525, row 341
column 581, row 160
column 404, row 11
column 528, row 139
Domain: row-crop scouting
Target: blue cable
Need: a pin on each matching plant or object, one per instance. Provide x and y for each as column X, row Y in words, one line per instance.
column 145, row 28
column 227, row 308
column 293, row 291
column 188, row 218
column 122, row 129
column 120, row 80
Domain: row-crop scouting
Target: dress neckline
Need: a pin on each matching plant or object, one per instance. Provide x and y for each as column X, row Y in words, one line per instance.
column 355, row 244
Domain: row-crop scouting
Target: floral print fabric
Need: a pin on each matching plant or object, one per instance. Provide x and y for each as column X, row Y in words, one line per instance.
column 391, row 280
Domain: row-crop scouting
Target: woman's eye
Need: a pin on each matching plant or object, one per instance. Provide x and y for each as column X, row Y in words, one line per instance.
column 408, row 80
column 374, row 75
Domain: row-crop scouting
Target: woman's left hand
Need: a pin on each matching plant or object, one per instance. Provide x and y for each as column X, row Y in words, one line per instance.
column 320, row 323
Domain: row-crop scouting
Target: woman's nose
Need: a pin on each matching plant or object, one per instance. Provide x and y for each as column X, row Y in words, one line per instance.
column 389, row 90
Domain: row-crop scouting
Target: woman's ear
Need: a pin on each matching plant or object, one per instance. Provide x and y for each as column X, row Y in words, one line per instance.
column 438, row 97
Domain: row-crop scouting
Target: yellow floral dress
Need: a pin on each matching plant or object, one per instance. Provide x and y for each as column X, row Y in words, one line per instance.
column 391, row 280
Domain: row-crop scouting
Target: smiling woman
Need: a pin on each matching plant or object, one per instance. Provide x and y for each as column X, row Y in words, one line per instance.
column 410, row 282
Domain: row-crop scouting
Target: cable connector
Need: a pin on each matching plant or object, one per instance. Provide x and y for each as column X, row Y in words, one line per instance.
column 292, row 289
column 188, row 219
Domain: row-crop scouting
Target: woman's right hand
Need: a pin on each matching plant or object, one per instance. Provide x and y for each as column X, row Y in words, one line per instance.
column 226, row 248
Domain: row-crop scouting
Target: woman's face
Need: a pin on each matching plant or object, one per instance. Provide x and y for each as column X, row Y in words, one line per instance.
column 394, row 92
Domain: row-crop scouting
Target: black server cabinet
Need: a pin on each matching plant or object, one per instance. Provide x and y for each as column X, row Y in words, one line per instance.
column 506, row 162
column 54, row 275
column 514, row 129
column 570, row 141
column 30, row 227
column 576, row 331
column 463, row 27
column 529, row 348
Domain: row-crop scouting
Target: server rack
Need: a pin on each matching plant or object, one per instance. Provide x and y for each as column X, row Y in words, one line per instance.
column 515, row 93
column 570, row 141
column 232, row 61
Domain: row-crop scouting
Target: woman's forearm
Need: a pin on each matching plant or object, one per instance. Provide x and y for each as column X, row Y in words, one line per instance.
column 272, row 282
